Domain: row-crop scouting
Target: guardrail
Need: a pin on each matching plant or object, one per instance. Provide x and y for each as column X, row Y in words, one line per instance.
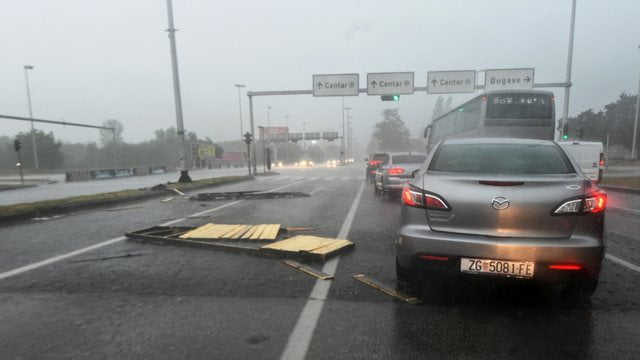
column 100, row 174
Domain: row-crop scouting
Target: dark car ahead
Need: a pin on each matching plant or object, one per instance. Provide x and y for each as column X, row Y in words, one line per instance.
column 375, row 160
column 397, row 171
column 502, row 207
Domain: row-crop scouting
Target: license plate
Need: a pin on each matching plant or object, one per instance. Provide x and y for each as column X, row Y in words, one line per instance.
column 497, row 267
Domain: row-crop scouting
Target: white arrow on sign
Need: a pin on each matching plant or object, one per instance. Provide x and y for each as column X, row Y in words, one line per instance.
column 450, row 82
column 336, row 85
column 509, row 79
column 390, row 83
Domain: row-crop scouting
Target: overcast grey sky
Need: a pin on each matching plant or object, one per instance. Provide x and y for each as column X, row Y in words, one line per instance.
column 96, row 60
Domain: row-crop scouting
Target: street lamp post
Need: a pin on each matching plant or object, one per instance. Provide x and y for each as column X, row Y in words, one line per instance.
column 343, row 132
column 33, row 130
column 184, row 168
column 239, row 86
column 269, row 116
column 634, row 149
column 286, row 141
column 567, row 88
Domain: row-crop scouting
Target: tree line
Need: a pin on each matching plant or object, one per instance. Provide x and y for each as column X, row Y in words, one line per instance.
column 616, row 121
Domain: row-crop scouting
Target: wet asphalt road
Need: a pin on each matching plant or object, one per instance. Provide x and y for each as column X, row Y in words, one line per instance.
column 178, row 302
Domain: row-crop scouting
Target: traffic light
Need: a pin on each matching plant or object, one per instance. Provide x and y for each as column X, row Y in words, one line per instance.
column 580, row 133
column 17, row 145
column 248, row 138
column 390, row 97
column 565, row 132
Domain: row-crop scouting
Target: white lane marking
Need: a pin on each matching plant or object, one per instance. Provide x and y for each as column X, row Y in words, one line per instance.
column 633, row 211
column 316, row 190
column 329, row 178
column 312, row 178
column 61, row 257
column 302, row 334
column 346, row 178
column 624, row 263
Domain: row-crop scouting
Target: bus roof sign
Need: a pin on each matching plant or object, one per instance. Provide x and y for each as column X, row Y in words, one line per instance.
column 451, row 82
column 509, row 79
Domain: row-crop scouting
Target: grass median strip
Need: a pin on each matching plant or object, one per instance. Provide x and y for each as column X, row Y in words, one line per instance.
column 27, row 210
column 628, row 182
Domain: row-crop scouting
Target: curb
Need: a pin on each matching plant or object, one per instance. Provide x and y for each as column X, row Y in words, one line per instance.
column 620, row 189
column 13, row 218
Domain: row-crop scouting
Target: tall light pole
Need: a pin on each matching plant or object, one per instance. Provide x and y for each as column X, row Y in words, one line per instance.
column 567, row 88
column 269, row 116
column 343, row 132
column 286, row 141
column 182, row 151
column 239, row 86
column 349, row 138
column 634, row 149
column 33, row 130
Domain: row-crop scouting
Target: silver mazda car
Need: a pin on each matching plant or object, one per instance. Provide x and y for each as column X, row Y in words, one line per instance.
column 496, row 207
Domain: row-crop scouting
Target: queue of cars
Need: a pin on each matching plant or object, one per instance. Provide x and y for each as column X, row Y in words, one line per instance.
column 495, row 207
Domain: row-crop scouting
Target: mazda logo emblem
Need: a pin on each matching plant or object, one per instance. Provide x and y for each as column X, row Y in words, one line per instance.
column 500, row 203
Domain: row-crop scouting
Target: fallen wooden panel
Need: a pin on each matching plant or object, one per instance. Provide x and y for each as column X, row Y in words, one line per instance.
column 314, row 246
column 238, row 231
column 310, row 248
column 387, row 289
column 308, row 270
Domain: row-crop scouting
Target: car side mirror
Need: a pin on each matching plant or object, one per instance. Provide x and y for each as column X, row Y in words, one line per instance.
column 415, row 172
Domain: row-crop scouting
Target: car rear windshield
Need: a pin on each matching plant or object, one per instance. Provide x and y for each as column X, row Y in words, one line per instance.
column 408, row 159
column 383, row 158
column 501, row 159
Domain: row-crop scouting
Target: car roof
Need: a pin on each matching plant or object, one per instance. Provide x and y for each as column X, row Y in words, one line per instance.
column 406, row 153
column 497, row 140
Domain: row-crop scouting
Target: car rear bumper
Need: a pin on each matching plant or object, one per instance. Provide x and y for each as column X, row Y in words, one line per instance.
column 394, row 183
column 415, row 241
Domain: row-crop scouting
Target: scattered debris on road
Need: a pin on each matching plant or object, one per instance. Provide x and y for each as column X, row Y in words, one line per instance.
column 47, row 218
column 242, row 238
column 387, row 289
column 125, row 208
column 178, row 191
column 308, row 270
column 224, row 231
column 319, row 247
column 127, row 255
column 298, row 228
column 246, row 195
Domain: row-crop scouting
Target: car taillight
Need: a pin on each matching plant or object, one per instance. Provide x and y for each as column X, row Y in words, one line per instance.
column 589, row 204
column 595, row 203
column 374, row 162
column 602, row 162
column 435, row 203
column 396, row 171
column 414, row 197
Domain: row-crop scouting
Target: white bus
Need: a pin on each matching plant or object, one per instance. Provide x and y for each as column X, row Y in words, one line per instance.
column 515, row 113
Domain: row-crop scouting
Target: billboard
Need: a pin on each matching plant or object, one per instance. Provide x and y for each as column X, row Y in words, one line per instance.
column 276, row 134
